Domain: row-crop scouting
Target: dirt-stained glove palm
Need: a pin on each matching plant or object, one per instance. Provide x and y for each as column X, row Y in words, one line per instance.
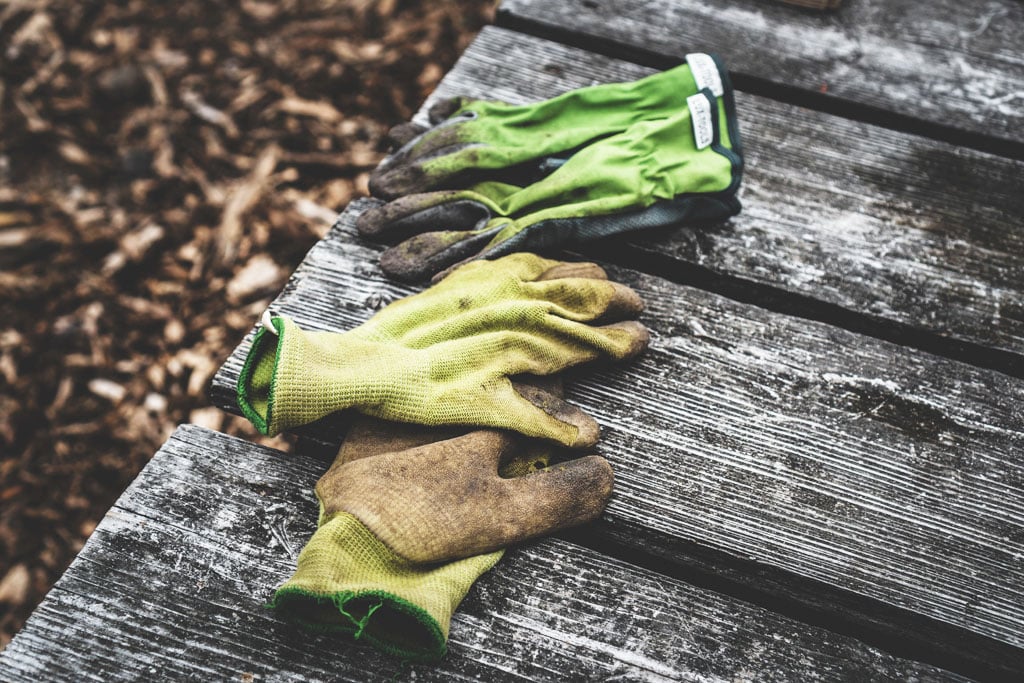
column 474, row 137
column 370, row 569
column 655, row 174
column 447, row 355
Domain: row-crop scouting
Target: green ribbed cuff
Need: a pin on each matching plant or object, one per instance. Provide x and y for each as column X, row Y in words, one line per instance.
column 294, row 377
column 348, row 581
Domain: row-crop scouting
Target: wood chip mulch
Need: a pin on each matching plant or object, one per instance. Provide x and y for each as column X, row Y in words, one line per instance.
column 164, row 166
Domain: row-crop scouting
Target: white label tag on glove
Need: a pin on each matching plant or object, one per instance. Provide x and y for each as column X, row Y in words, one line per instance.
column 700, row 113
column 705, row 72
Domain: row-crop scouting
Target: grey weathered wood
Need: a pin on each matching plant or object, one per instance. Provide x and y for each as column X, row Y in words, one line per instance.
column 897, row 230
column 950, row 64
column 172, row 585
column 844, row 467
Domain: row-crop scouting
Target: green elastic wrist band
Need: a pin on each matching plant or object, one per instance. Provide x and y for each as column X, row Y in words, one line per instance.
column 348, row 581
column 255, row 390
column 295, row 377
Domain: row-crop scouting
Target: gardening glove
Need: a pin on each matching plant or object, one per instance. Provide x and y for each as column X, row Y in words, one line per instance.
column 657, row 173
column 447, row 355
column 359, row 573
column 474, row 136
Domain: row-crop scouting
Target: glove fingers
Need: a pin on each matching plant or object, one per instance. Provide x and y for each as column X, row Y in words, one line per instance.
column 422, row 255
column 418, row 172
column 623, row 340
column 560, row 343
column 561, row 496
column 402, row 172
column 419, row 213
column 540, row 414
column 588, row 430
column 583, row 299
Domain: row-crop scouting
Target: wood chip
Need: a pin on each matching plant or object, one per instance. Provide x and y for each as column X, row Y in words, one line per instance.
column 104, row 388
column 15, row 584
column 259, row 274
column 241, row 199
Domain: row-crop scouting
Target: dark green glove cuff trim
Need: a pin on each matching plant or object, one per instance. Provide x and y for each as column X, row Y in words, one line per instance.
column 253, row 389
column 732, row 123
column 385, row 621
column 731, row 153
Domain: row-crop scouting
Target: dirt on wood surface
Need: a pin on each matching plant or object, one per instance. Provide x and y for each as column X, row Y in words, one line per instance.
column 163, row 169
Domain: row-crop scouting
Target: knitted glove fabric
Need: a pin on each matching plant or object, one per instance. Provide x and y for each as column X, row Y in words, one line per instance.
column 474, row 136
column 371, row 568
column 446, row 356
column 656, row 173
column 349, row 581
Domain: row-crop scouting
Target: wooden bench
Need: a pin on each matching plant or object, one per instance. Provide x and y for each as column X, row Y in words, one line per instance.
column 818, row 461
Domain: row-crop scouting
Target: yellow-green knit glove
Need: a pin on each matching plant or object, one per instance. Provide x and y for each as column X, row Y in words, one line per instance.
column 446, row 356
column 393, row 504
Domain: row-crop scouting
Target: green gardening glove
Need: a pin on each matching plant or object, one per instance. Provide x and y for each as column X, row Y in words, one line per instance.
column 657, row 173
column 446, row 356
column 401, row 504
column 475, row 136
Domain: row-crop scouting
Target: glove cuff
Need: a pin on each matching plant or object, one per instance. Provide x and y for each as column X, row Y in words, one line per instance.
column 348, row 581
column 292, row 377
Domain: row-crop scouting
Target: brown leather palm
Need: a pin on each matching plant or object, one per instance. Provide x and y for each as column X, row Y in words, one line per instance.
column 446, row 500
column 432, row 500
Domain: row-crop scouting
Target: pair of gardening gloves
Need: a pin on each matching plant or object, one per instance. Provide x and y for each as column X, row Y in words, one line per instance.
column 438, row 476
column 488, row 178
column 411, row 514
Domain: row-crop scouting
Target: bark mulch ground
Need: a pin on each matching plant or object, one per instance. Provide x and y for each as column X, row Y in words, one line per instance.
column 163, row 169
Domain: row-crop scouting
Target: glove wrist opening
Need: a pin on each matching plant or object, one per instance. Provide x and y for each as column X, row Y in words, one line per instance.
column 295, row 377
column 349, row 581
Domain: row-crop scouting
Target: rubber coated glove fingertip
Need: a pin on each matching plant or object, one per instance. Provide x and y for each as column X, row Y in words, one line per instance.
column 405, row 132
column 371, row 222
column 422, row 255
column 392, row 183
column 442, row 109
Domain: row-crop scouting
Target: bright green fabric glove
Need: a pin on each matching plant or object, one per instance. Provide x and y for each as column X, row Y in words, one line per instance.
column 657, row 173
column 446, row 355
column 475, row 136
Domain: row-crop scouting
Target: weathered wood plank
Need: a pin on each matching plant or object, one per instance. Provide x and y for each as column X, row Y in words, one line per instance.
column 840, row 462
column 950, row 65
column 172, row 586
column 885, row 232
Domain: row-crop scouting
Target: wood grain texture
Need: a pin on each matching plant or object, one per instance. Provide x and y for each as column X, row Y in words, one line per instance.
column 837, row 461
column 899, row 231
column 172, row 586
column 951, row 64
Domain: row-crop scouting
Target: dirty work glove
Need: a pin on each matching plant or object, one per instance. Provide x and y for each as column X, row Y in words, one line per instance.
column 390, row 497
column 656, row 173
column 446, row 355
column 474, row 136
